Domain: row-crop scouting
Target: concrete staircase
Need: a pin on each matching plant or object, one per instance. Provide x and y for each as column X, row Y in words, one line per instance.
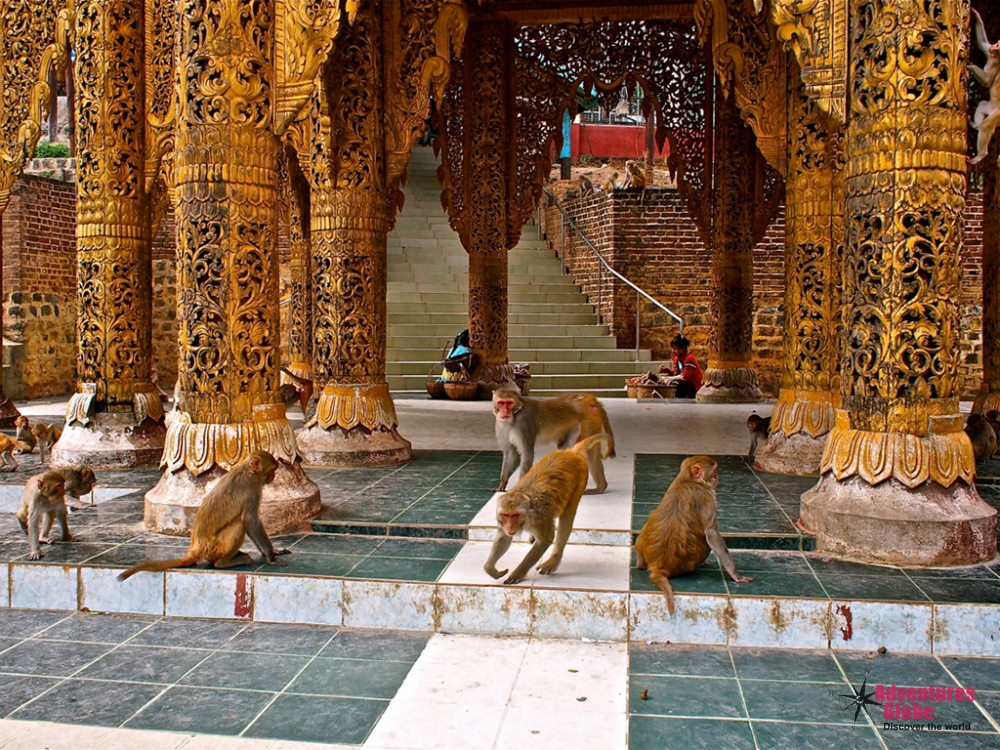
column 550, row 323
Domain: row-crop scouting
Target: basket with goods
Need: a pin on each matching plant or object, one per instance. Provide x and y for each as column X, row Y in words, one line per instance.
column 460, row 387
column 435, row 383
column 649, row 385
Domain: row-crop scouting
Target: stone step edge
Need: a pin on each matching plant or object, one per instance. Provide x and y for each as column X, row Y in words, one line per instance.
column 523, row 611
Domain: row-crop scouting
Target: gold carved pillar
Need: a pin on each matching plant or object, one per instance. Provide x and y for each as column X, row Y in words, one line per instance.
column 729, row 377
column 814, row 253
column 989, row 393
column 355, row 421
column 300, row 328
column 226, row 185
column 897, row 470
column 116, row 418
column 489, row 57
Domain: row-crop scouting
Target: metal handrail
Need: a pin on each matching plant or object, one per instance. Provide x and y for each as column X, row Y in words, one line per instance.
column 567, row 219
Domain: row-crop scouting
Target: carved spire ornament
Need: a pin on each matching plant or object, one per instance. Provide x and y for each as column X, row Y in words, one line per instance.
column 897, row 468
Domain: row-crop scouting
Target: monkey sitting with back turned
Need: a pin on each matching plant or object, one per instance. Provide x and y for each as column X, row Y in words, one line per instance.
column 228, row 514
column 550, row 492
column 683, row 529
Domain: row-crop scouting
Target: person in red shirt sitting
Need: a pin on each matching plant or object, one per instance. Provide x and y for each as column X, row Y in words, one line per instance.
column 686, row 373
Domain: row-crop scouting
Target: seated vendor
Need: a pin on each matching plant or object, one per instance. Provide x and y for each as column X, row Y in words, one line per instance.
column 685, row 373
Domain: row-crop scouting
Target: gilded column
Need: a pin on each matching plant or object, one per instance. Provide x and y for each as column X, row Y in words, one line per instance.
column 355, row 421
column 116, row 418
column 489, row 53
column 225, row 176
column 989, row 393
column 897, row 470
column 300, row 272
column 730, row 377
column 814, row 252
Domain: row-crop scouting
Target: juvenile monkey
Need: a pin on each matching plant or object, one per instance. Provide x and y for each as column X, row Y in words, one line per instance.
column 8, row 445
column 609, row 185
column 683, row 529
column 521, row 422
column 228, row 514
column 635, row 178
column 760, row 429
column 25, row 434
column 984, row 440
column 78, row 482
column 543, row 502
column 987, row 115
column 43, row 501
column 586, row 186
column 46, row 436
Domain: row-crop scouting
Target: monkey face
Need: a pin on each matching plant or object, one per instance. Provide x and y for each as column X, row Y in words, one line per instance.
column 511, row 522
column 505, row 408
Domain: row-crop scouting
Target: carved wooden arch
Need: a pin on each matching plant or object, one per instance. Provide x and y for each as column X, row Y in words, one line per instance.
column 30, row 30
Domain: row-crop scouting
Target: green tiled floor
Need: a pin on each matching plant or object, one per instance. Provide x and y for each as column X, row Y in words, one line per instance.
column 717, row 697
column 307, row 683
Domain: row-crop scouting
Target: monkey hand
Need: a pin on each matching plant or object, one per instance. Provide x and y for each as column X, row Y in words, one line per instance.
column 35, row 555
column 494, row 573
column 742, row 579
column 277, row 562
column 45, row 540
column 512, row 578
column 282, row 552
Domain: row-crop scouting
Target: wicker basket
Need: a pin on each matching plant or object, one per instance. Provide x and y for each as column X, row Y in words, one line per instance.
column 652, row 391
column 434, row 384
column 460, row 390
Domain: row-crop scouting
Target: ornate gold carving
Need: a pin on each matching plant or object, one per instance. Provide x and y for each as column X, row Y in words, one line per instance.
column 350, row 406
column 989, row 395
column 421, row 37
column 226, row 175
column 749, row 60
column 147, row 403
column 816, row 32
column 814, row 251
column 81, row 405
column 112, row 226
column 199, row 447
column 295, row 189
column 304, row 34
column 161, row 92
column 811, row 412
column 943, row 454
column 34, row 40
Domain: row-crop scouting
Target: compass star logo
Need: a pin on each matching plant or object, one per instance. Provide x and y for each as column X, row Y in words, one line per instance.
column 860, row 699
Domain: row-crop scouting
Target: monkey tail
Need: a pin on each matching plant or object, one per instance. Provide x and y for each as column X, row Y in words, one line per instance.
column 662, row 582
column 183, row 562
column 607, row 429
column 602, row 437
column 21, row 446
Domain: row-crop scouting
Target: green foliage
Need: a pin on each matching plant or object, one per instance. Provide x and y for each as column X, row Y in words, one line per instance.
column 46, row 150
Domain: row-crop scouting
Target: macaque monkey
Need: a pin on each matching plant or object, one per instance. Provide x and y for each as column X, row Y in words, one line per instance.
column 680, row 532
column 586, row 186
column 154, row 378
column 984, row 440
column 993, row 417
column 25, row 434
column 550, row 492
column 46, row 436
column 228, row 514
column 8, row 446
column 78, row 482
column 635, row 178
column 301, row 389
column 987, row 115
column 609, row 185
column 521, row 422
column 43, row 501
column 760, row 429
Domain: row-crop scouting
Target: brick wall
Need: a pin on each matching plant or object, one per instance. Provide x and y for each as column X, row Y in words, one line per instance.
column 39, row 287
column 656, row 245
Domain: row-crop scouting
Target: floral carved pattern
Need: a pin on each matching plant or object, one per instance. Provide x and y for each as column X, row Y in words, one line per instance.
column 161, row 91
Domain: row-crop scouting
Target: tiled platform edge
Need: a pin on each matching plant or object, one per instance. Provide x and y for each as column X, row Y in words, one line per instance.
column 769, row 621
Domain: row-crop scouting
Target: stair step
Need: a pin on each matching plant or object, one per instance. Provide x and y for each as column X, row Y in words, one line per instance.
column 538, row 369
column 513, row 342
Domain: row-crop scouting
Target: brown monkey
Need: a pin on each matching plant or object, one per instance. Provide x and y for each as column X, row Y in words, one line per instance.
column 680, row 532
column 228, row 514
column 760, row 429
column 984, row 440
column 46, row 436
column 43, row 500
column 586, row 186
column 78, row 482
column 7, row 447
column 25, row 434
column 609, row 185
column 303, row 390
column 635, row 178
column 550, row 491
column 987, row 115
column 523, row 421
